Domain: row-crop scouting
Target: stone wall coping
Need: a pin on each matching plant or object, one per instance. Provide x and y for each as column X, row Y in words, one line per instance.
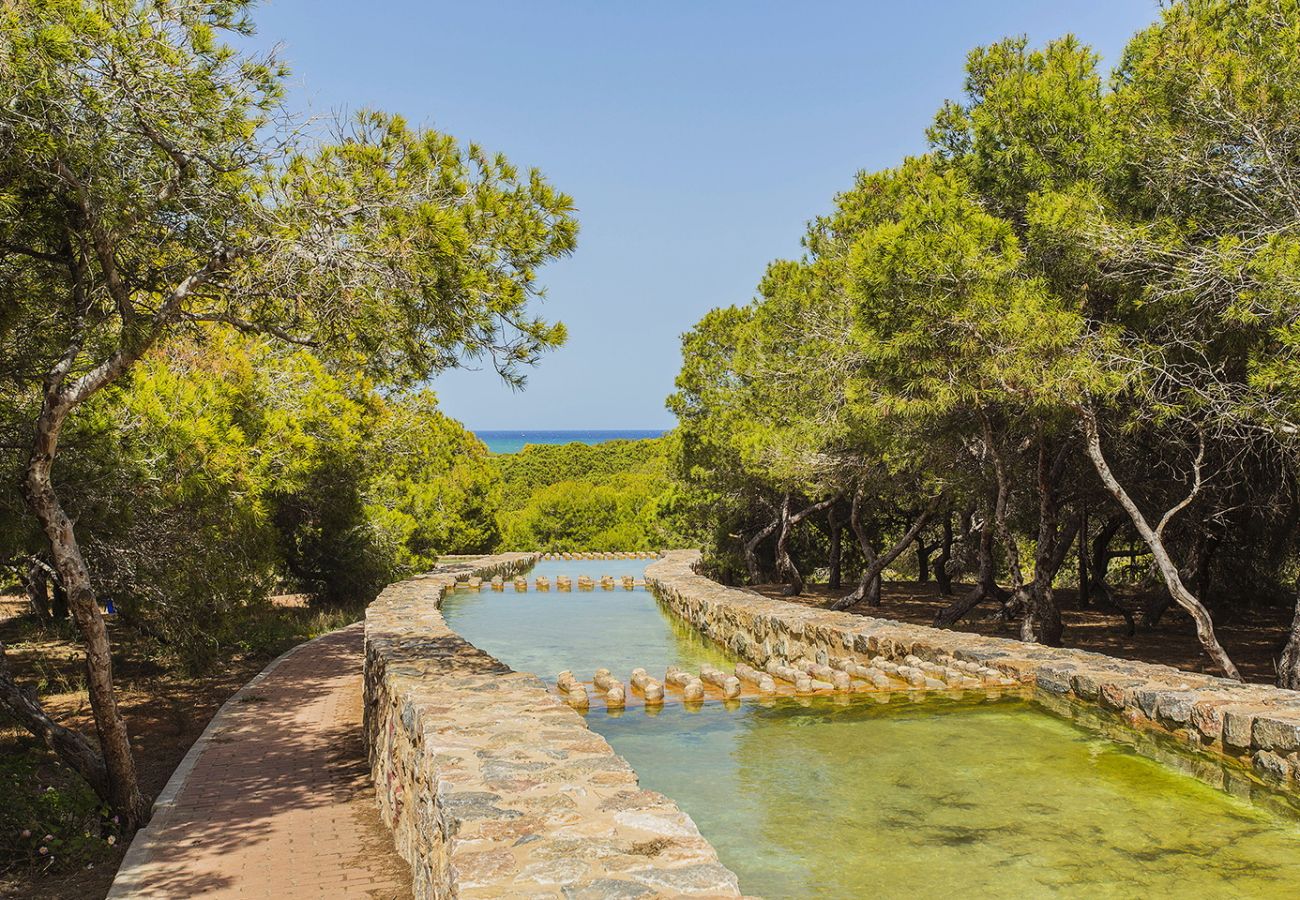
column 1258, row 723
column 494, row 787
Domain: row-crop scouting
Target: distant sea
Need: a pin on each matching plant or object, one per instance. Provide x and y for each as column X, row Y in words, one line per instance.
column 513, row 441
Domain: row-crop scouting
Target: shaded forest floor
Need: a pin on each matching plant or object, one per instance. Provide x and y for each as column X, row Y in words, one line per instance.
column 165, row 710
column 1253, row 638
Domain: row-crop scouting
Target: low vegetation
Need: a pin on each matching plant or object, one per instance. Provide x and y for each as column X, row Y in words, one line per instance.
column 226, row 470
column 603, row 497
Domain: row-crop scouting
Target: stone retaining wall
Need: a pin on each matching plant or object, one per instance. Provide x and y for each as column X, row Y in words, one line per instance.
column 495, row 788
column 1256, row 725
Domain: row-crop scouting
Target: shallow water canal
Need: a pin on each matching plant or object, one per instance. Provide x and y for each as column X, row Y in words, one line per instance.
column 938, row 798
column 545, row 632
column 840, row 797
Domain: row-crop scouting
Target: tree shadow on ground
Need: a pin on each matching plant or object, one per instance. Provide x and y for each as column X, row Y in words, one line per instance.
column 281, row 793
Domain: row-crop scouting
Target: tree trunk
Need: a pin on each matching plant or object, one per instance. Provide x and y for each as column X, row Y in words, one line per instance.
column 1042, row 620
column 836, row 560
column 1288, row 666
column 922, row 559
column 869, row 585
column 985, row 588
column 62, row 394
column 1064, row 544
column 866, row 544
column 1198, row 572
column 1046, row 611
column 1100, row 563
column 72, row 747
column 1018, row 602
column 942, row 576
column 1084, row 590
column 784, row 562
column 751, row 549
column 36, row 582
column 1100, row 568
column 785, row 567
column 1182, row 596
column 59, row 605
column 122, row 789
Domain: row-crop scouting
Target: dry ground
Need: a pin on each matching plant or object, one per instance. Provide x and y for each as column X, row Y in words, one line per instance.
column 1253, row 640
column 165, row 711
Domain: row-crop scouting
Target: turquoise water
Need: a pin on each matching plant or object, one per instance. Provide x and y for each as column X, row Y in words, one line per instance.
column 513, row 441
column 875, row 796
column 545, row 632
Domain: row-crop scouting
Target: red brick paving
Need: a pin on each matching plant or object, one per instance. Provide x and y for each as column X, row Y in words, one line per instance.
column 279, row 802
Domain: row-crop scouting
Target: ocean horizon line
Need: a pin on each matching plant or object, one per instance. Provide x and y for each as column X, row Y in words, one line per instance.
column 512, row 440
column 526, row 430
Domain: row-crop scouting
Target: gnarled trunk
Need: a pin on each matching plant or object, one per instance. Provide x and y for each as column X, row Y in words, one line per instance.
column 1042, row 621
column 71, row 746
column 120, row 787
column 1168, row 569
column 1198, row 572
column 785, row 565
column 36, row 583
column 942, row 575
column 1099, row 585
column 869, row 584
column 1288, row 665
column 1018, row 601
column 985, row 587
column 867, row 546
column 836, row 560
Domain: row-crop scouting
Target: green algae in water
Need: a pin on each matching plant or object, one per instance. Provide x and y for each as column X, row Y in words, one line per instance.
column 938, row 798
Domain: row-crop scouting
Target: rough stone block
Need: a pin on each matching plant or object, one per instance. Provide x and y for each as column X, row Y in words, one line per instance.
column 1145, row 700
column 1175, row 707
column 1055, row 679
column 1087, row 684
column 1272, row 765
column 1274, row 732
column 1238, row 723
column 1207, row 719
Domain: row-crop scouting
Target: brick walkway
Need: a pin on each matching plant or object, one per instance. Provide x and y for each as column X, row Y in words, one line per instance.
column 275, row 799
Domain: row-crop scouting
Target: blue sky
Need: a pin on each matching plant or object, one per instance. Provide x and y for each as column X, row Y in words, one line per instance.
column 696, row 138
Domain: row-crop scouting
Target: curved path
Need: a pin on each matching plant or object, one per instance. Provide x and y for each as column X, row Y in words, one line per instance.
column 274, row 800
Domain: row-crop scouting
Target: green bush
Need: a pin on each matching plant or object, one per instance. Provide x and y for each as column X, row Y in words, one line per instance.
column 224, row 471
column 581, row 497
column 50, row 819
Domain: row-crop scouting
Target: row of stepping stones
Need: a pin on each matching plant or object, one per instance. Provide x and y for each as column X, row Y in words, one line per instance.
column 629, row 554
column 561, row 583
column 802, row 678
